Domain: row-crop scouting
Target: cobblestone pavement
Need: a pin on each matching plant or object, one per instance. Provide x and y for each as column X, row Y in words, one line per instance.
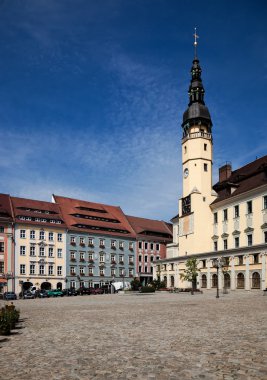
column 161, row 336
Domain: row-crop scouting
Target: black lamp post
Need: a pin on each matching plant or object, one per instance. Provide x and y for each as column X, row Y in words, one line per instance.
column 218, row 263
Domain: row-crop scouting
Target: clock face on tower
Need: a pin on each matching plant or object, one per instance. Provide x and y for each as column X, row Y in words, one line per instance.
column 186, row 205
column 186, row 173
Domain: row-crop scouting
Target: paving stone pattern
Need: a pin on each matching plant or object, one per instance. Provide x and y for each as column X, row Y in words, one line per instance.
column 161, row 336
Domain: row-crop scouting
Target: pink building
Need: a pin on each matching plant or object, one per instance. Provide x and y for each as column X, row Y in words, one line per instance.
column 152, row 236
column 6, row 244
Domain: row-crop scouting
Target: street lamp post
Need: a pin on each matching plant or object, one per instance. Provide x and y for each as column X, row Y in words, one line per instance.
column 218, row 263
column 123, row 277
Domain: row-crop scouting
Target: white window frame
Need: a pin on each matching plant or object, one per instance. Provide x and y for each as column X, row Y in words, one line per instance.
column 22, row 234
column 32, row 250
column 42, row 235
column 22, row 269
column 59, row 237
column 42, row 251
column 32, row 234
column 59, row 253
column 22, row 250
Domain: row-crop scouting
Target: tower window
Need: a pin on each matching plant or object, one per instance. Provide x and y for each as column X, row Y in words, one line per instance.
column 205, row 146
column 205, row 167
column 185, row 149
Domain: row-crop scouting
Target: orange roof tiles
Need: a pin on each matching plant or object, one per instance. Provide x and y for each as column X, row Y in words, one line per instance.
column 23, row 207
column 5, row 208
column 96, row 218
column 151, row 229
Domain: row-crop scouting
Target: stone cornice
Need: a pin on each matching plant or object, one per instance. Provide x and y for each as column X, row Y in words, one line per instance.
column 227, row 253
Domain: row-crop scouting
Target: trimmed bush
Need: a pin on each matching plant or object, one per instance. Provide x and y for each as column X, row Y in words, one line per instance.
column 148, row 289
column 9, row 316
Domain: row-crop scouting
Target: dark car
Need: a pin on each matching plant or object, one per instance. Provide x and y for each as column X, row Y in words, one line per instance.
column 41, row 293
column 10, row 296
column 84, row 291
column 28, row 295
column 70, row 292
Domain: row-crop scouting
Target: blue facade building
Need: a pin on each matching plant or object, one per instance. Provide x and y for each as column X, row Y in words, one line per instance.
column 101, row 243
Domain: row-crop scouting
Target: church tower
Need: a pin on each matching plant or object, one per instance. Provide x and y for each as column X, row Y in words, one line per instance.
column 195, row 217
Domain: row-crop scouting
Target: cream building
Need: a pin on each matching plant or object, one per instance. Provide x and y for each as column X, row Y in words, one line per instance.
column 40, row 245
column 227, row 220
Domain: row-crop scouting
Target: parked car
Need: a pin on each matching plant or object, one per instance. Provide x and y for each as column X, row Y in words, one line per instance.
column 96, row 290
column 41, row 293
column 10, row 296
column 54, row 293
column 83, row 291
column 28, row 295
column 70, row 292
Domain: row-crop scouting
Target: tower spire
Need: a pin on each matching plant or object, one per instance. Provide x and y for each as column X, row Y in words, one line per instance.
column 195, row 42
column 197, row 112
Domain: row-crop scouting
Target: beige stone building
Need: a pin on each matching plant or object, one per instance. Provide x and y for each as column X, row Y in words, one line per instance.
column 40, row 245
column 224, row 224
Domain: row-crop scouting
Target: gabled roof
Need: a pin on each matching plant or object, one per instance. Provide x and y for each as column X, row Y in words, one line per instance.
column 33, row 209
column 94, row 218
column 5, row 208
column 150, row 229
column 246, row 178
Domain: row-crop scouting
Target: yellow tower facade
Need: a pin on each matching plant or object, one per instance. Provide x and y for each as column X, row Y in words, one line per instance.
column 197, row 155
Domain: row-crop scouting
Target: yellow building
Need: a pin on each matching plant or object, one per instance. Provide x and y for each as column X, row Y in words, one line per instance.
column 224, row 225
column 40, row 245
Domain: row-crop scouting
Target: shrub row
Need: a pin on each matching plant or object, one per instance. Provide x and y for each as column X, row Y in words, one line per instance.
column 148, row 289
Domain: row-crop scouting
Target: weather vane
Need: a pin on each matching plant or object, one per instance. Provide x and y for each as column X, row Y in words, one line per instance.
column 195, row 42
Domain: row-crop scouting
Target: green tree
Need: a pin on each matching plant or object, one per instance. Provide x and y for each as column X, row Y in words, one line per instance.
column 136, row 284
column 191, row 272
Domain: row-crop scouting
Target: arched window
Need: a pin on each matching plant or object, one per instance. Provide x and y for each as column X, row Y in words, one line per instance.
column 172, row 281
column 165, row 280
column 240, row 281
column 214, row 280
column 256, row 280
column 227, row 281
column 203, row 281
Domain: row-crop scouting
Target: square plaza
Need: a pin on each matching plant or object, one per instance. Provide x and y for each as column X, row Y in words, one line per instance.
column 160, row 336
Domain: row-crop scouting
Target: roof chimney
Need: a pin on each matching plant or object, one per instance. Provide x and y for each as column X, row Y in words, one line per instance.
column 225, row 171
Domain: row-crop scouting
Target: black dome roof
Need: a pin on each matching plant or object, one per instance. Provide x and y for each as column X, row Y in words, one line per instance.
column 196, row 111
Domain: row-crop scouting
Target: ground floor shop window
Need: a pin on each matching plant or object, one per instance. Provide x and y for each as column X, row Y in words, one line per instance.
column 256, row 280
column 240, row 281
column 214, row 280
column 227, row 281
column 203, row 281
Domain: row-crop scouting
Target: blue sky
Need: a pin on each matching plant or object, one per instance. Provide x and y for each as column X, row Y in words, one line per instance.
column 92, row 95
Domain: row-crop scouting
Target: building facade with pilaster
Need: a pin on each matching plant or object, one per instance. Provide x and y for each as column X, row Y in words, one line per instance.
column 225, row 222
column 40, row 245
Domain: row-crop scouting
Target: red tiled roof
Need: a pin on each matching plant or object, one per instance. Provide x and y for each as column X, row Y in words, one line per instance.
column 246, row 178
column 151, row 229
column 92, row 218
column 25, row 207
column 5, row 208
